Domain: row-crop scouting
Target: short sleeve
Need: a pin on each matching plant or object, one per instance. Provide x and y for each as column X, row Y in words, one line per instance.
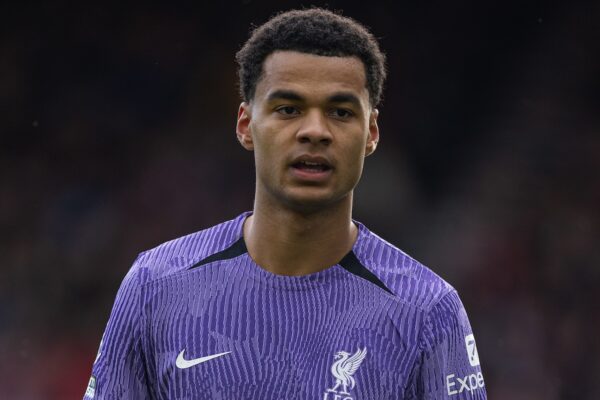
column 448, row 365
column 119, row 371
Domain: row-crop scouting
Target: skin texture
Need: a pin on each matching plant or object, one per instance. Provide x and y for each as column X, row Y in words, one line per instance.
column 306, row 107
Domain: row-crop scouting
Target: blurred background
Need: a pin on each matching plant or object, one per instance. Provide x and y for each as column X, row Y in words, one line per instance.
column 117, row 133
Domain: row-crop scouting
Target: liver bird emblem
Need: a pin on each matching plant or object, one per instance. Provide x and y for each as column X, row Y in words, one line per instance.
column 344, row 367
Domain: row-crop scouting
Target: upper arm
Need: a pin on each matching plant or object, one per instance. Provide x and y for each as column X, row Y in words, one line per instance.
column 119, row 369
column 448, row 364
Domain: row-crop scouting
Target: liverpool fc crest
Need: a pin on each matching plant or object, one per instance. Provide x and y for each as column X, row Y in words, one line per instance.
column 344, row 366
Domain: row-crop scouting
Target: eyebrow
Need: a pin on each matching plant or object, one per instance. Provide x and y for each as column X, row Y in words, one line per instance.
column 342, row 97
column 285, row 95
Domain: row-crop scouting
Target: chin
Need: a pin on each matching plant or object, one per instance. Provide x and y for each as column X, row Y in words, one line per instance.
column 313, row 202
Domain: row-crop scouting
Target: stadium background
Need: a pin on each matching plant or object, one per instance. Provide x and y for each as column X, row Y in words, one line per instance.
column 117, row 133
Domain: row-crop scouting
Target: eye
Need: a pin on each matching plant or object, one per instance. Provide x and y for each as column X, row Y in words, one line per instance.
column 341, row 113
column 287, row 110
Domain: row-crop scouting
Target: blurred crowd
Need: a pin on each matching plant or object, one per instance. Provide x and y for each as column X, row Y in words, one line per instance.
column 117, row 133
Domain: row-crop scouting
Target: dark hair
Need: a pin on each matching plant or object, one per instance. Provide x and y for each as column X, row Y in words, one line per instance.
column 314, row 31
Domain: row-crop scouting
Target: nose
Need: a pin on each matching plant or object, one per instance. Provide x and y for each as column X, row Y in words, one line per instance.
column 314, row 129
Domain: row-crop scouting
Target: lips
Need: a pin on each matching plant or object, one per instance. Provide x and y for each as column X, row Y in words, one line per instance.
column 311, row 168
column 312, row 163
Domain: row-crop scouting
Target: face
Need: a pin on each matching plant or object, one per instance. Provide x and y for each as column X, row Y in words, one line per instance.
column 310, row 126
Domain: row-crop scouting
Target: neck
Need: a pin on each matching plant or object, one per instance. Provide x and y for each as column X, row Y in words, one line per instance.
column 288, row 242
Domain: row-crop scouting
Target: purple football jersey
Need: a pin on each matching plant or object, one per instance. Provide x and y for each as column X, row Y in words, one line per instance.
column 196, row 318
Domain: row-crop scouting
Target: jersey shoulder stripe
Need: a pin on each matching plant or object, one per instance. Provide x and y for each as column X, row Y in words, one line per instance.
column 406, row 278
column 353, row 265
column 350, row 263
column 179, row 254
column 236, row 249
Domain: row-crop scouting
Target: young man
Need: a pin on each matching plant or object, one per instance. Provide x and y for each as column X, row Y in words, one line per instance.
column 294, row 300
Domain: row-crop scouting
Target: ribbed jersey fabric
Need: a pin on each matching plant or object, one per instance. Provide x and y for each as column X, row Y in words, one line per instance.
column 196, row 318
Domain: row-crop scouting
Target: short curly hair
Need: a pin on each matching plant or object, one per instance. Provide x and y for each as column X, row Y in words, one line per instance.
column 314, row 31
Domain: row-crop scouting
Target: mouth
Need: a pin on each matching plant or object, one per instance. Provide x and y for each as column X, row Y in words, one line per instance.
column 309, row 166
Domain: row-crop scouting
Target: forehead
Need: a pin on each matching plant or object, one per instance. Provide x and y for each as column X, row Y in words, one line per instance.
column 312, row 75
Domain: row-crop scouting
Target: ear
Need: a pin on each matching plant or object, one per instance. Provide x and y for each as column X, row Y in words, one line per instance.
column 242, row 128
column 373, row 138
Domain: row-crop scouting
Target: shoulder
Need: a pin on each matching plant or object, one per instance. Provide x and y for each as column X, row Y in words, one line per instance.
column 179, row 254
column 408, row 280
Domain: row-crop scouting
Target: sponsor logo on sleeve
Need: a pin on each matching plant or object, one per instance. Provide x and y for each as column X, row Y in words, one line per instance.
column 91, row 387
column 472, row 350
column 469, row 383
column 456, row 384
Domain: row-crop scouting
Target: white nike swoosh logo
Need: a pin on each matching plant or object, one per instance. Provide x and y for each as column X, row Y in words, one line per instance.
column 183, row 363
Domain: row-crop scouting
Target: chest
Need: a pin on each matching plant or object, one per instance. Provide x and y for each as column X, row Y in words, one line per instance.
column 267, row 344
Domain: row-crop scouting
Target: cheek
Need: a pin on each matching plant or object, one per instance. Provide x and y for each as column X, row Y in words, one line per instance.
column 264, row 150
column 267, row 152
column 355, row 156
column 356, row 150
column 271, row 140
